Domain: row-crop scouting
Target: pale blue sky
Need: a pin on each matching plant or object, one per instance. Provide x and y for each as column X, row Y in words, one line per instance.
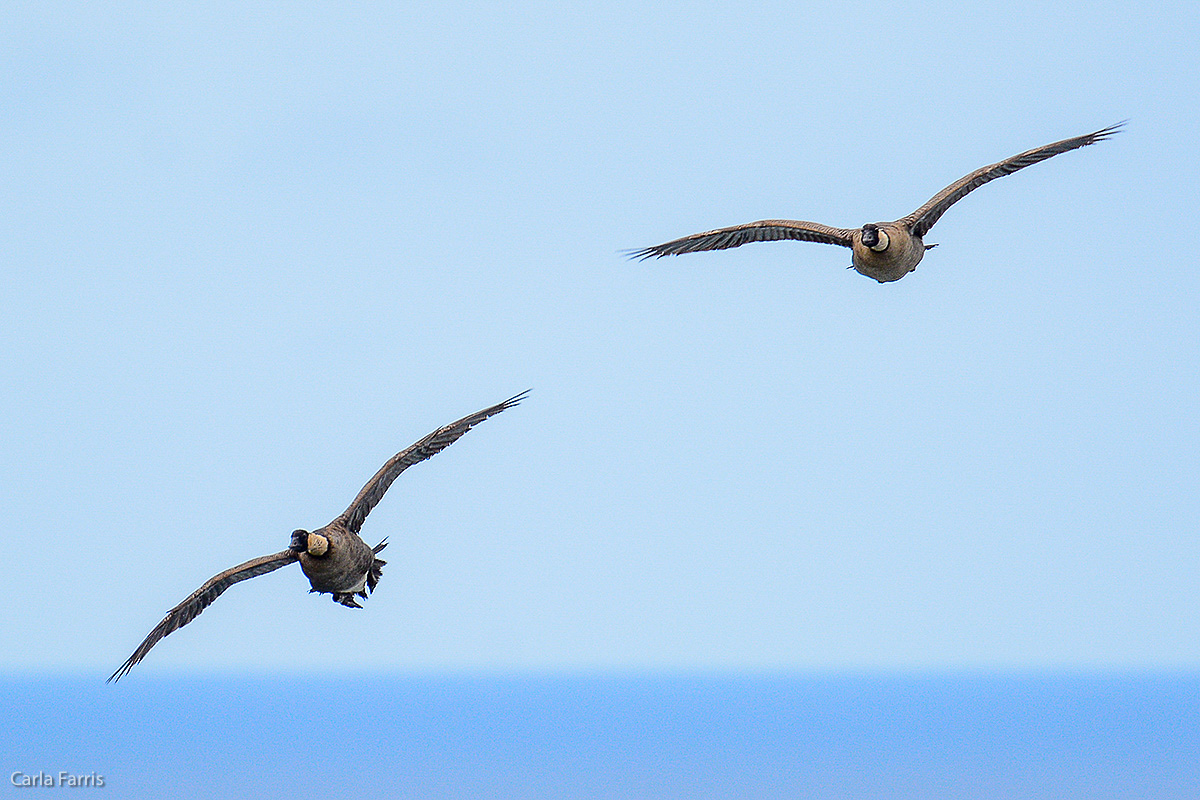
column 252, row 250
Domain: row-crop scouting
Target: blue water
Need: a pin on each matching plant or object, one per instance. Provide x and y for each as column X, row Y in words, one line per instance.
column 976, row 735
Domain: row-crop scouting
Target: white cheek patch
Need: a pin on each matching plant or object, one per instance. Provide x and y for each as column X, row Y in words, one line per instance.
column 317, row 545
column 882, row 244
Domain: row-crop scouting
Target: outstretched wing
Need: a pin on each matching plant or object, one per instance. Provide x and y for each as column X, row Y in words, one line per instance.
column 431, row 445
column 765, row 230
column 201, row 599
column 921, row 220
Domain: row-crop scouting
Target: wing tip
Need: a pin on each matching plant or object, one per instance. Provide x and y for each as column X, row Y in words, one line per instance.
column 514, row 400
column 1105, row 133
column 122, row 671
column 645, row 253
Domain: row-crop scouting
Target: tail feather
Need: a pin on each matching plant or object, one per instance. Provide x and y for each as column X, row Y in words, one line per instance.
column 374, row 574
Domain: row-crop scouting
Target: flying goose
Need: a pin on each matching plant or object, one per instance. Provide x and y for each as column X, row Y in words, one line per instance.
column 885, row 251
column 334, row 558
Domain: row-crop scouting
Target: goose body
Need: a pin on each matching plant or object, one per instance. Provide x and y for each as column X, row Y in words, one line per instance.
column 334, row 558
column 337, row 561
column 890, row 253
column 885, row 251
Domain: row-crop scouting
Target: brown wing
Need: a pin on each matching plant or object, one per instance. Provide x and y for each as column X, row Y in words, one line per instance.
column 431, row 445
column 921, row 220
column 201, row 599
column 765, row 230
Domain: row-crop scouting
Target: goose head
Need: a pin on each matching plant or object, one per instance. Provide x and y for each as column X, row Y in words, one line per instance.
column 874, row 237
column 312, row 543
column 299, row 542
